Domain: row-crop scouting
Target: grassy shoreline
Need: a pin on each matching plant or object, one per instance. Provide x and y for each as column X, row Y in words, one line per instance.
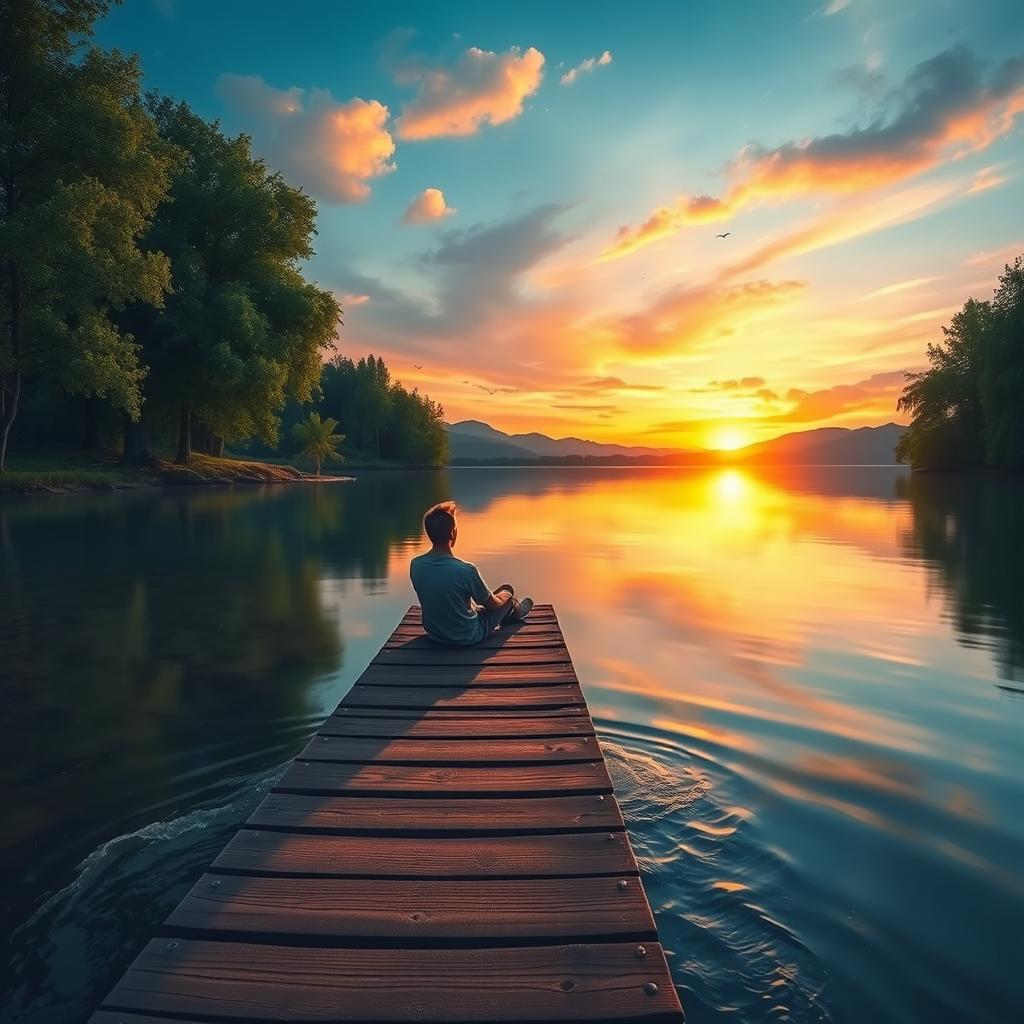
column 72, row 473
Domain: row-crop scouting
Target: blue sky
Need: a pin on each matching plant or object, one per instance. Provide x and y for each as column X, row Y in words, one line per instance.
column 571, row 267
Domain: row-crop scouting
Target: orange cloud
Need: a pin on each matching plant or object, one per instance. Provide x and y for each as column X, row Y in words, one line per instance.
column 686, row 317
column 845, row 222
column 949, row 109
column 876, row 394
column 482, row 87
column 331, row 148
column 428, row 205
column 585, row 67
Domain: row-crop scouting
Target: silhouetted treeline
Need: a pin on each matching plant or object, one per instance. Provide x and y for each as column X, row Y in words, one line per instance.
column 968, row 406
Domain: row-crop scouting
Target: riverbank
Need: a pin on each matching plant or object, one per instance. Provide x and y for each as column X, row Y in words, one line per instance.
column 65, row 474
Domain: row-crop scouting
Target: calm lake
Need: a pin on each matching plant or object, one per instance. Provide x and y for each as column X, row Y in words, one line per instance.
column 809, row 685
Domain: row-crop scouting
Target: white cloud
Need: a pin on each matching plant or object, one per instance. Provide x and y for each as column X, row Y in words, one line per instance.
column 585, row 67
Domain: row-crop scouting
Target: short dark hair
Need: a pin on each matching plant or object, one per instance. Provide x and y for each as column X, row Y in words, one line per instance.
column 439, row 521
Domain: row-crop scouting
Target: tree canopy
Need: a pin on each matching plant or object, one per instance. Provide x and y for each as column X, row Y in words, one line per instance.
column 968, row 406
column 380, row 416
column 82, row 169
column 241, row 330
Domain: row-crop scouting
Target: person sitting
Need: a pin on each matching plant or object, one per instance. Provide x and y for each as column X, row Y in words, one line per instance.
column 458, row 607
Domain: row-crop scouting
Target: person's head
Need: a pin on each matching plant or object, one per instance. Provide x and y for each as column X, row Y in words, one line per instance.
column 440, row 525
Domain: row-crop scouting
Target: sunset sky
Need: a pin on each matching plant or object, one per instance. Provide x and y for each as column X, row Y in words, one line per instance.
column 525, row 197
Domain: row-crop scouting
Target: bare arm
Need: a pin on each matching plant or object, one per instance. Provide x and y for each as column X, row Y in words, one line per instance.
column 497, row 600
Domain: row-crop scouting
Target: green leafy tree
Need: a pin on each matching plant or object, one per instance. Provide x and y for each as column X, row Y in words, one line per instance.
column 948, row 423
column 318, row 440
column 242, row 330
column 1001, row 384
column 81, row 172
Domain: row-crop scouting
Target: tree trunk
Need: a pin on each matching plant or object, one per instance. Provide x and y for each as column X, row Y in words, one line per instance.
column 317, row 463
column 136, row 442
column 184, row 437
column 216, row 445
column 91, row 424
column 10, row 392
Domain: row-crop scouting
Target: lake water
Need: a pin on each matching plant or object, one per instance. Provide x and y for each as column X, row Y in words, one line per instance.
column 809, row 685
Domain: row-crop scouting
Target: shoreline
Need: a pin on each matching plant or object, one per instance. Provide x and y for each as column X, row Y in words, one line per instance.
column 46, row 476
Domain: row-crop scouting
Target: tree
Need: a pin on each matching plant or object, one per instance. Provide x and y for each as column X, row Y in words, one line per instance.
column 318, row 439
column 948, row 423
column 1001, row 383
column 242, row 330
column 81, row 173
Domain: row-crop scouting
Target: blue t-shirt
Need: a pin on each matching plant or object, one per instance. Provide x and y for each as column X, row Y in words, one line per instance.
column 445, row 586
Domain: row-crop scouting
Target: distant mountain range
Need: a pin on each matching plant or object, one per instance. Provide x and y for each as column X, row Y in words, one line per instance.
column 473, row 442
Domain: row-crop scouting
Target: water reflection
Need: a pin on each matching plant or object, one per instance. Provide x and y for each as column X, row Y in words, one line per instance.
column 792, row 672
column 968, row 530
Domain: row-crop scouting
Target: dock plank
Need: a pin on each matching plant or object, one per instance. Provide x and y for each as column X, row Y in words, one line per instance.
column 442, row 698
column 242, row 981
column 562, row 855
column 468, row 675
column 435, row 814
column 497, row 911
column 475, row 655
column 449, row 779
column 483, row 726
column 402, row 750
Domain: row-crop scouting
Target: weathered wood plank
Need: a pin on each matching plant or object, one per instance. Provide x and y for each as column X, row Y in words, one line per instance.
column 120, row 1017
column 463, row 713
column 509, row 640
column 467, row 675
column 565, row 855
column 447, row 780
column 434, row 815
column 478, row 655
column 325, row 747
column 464, row 726
column 518, row 698
column 497, row 911
column 244, row 981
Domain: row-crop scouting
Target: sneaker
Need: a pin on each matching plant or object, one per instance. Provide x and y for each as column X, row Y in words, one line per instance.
column 524, row 609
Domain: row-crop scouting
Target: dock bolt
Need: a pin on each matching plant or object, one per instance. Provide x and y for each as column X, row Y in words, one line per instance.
column 641, row 952
column 171, row 945
column 651, row 988
column 623, row 884
column 215, row 884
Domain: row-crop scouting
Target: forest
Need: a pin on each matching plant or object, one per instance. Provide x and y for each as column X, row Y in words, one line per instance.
column 153, row 294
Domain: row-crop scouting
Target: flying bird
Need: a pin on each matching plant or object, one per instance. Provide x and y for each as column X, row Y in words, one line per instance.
column 417, row 365
column 490, row 391
column 725, row 234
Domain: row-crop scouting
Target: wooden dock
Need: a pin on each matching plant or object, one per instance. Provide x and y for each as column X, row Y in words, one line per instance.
column 446, row 848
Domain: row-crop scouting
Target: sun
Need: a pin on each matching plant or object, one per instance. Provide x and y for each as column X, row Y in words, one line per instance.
column 728, row 439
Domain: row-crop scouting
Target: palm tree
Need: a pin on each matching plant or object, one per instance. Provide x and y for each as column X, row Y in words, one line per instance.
column 318, row 439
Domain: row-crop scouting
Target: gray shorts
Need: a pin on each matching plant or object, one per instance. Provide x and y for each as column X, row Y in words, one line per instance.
column 492, row 619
